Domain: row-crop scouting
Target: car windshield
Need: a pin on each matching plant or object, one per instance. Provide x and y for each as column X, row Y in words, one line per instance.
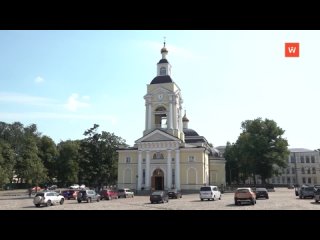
column 242, row 190
column 261, row 190
column 205, row 189
column 309, row 189
column 156, row 193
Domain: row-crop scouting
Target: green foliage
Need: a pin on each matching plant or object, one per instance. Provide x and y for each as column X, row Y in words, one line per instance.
column 7, row 162
column 68, row 162
column 98, row 157
column 47, row 151
column 259, row 150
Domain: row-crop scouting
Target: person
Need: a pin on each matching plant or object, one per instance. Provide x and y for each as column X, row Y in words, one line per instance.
column 29, row 191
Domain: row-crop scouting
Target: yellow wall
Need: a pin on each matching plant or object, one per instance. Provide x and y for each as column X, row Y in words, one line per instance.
column 127, row 172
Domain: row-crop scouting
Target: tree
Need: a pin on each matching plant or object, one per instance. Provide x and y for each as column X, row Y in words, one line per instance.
column 263, row 148
column 68, row 162
column 30, row 166
column 7, row 162
column 98, row 157
column 48, row 154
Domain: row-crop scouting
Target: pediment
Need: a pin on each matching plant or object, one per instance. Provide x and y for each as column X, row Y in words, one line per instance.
column 157, row 136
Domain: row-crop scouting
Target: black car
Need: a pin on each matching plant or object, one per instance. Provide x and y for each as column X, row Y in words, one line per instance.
column 262, row 193
column 174, row 193
column 159, row 197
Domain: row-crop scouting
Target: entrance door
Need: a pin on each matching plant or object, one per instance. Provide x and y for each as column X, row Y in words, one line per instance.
column 157, row 182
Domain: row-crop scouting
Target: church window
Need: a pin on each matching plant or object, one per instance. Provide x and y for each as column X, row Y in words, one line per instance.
column 191, row 158
column 128, row 160
column 163, row 71
column 158, row 155
column 173, row 177
column 144, row 160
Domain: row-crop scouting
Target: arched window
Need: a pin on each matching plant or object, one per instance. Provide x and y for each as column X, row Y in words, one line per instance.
column 163, row 71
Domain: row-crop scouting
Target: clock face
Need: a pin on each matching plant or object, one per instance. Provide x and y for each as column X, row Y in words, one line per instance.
column 160, row 96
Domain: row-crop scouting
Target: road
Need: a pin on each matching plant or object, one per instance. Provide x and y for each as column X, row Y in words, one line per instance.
column 281, row 199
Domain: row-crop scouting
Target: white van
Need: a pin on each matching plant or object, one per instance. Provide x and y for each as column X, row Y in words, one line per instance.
column 210, row 192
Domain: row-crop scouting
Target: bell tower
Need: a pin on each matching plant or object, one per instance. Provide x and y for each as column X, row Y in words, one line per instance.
column 163, row 101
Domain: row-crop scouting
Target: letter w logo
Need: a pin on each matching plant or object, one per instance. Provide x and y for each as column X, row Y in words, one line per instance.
column 292, row 50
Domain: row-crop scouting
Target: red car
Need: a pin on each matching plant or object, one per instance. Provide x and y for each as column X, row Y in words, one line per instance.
column 108, row 194
column 36, row 189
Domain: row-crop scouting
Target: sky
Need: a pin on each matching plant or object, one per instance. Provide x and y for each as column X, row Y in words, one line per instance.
column 66, row 81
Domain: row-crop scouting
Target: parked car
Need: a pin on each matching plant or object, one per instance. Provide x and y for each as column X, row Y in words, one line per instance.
column 244, row 195
column 88, row 196
column 74, row 186
column 108, row 194
column 261, row 193
column 174, row 193
column 125, row 193
column 317, row 195
column 47, row 199
column 159, row 197
column 306, row 191
column 210, row 193
column 70, row 194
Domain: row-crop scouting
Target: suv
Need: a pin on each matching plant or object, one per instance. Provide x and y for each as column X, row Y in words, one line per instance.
column 88, row 196
column 244, row 195
column 210, row 192
column 47, row 199
column 125, row 192
column 306, row 191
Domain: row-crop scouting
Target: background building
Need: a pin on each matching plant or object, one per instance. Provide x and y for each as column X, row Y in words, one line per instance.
column 303, row 168
column 169, row 154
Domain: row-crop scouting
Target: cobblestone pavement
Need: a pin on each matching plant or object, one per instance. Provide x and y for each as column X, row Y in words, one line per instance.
column 281, row 199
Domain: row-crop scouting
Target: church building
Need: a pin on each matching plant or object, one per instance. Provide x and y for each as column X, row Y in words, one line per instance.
column 169, row 154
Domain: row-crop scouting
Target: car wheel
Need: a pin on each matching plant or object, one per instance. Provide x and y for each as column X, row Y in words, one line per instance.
column 98, row 199
column 201, row 199
column 79, row 201
column 37, row 205
column 89, row 200
column 220, row 197
column 49, row 203
column 61, row 201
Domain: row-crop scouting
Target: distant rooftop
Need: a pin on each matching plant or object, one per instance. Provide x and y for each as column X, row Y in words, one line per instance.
column 300, row 150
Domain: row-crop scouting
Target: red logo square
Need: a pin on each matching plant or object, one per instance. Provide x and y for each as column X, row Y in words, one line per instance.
column 292, row 49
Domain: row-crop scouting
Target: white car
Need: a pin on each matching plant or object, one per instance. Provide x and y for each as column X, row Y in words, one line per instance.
column 210, row 192
column 47, row 199
column 125, row 193
column 74, row 186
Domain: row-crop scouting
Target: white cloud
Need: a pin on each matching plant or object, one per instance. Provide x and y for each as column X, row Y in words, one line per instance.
column 39, row 79
column 73, row 103
column 86, row 97
column 10, row 97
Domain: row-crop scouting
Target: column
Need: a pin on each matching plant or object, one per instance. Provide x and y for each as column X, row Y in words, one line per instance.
column 139, row 170
column 149, row 116
column 169, row 171
column 177, row 171
column 180, row 119
column 170, row 114
column 146, row 118
column 147, row 170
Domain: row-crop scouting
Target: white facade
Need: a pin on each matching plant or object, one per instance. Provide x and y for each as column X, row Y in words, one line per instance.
column 303, row 168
